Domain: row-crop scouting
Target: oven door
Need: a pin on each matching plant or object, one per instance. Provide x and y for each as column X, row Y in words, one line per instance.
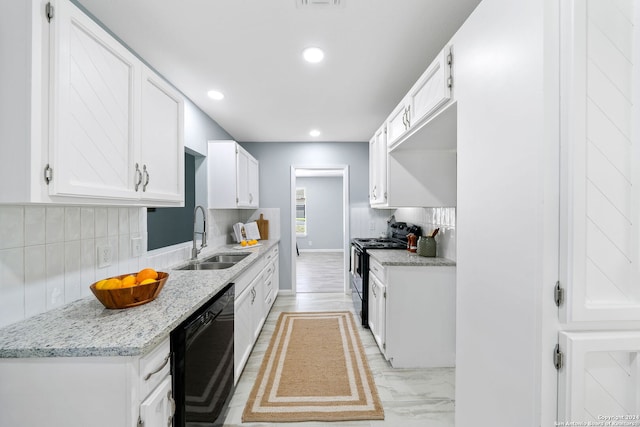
column 357, row 282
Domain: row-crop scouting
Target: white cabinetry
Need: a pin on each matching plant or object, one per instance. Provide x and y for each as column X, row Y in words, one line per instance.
column 93, row 109
column 412, row 314
column 83, row 391
column 233, row 176
column 420, row 167
column 377, row 305
column 378, row 167
column 428, row 94
column 256, row 290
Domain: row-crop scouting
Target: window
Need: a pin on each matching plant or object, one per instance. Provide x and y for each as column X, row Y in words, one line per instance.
column 301, row 212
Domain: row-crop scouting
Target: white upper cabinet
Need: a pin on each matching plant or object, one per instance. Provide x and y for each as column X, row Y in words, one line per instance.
column 101, row 127
column 92, row 113
column 426, row 97
column 378, row 168
column 233, row 176
column 161, row 140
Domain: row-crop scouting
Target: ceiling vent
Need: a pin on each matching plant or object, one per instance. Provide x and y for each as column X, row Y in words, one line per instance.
column 319, row 3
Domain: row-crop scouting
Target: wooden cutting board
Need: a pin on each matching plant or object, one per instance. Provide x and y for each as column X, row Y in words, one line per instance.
column 263, row 227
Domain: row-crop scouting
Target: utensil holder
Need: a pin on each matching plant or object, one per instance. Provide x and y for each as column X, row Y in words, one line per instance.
column 427, row 246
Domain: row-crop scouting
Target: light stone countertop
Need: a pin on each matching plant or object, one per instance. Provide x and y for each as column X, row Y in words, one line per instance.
column 395, row 257
column 85, row 328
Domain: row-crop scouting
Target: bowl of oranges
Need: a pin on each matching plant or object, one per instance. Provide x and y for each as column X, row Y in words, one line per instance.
column 129, row 290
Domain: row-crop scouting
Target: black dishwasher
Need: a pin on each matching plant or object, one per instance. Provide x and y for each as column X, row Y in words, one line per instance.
column 202, row 348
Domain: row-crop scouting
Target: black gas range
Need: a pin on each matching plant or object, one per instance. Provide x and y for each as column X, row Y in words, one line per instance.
column 397, row 232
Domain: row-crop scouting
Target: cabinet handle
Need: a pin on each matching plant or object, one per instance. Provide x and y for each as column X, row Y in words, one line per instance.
column 250, row 198
column 408, row 116
column 146, row 177
column 373, row 289
column 164, row 363
column 404, row 118
column 138, row 177
column 172, row 402
column 375, row 188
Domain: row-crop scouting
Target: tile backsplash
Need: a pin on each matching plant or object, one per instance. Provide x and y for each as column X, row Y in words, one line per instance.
column 431, row 218
column 48, row 254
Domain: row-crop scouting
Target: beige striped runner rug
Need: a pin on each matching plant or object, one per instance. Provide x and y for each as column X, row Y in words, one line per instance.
column 315, row 369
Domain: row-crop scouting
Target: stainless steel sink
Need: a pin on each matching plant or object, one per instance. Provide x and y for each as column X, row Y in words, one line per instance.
column 233, row 258
column 207, row 266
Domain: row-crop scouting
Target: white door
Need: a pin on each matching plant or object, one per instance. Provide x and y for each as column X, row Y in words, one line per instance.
column 242, row 177
column 92, row 109
column 600, row 194
column 253, row 181
column 161, row 140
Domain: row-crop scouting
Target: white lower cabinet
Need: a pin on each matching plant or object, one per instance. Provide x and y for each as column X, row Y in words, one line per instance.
column 412, row 314
column 256, row 291
column 129, row 391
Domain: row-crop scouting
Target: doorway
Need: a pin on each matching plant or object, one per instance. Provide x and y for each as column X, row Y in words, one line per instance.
column 336, row 265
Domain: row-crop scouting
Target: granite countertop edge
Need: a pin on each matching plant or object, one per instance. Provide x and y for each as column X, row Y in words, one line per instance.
column 84, row 328
column 394, row 257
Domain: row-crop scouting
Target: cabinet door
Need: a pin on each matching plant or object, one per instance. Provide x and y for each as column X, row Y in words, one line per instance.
column 242, row 178
column 257, row 306
column 397, row 123
column 158, row 408
column 431, row 90
column 91, row 110
column 161, row 140
column 376, row 310
column 243, row 332
column 378, row 167
column 253, row 182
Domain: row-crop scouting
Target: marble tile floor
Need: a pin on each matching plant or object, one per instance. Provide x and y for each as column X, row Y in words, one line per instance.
column 410, row 397
column 320, row 272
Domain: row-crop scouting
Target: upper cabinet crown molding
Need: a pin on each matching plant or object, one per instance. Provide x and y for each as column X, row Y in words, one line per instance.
column 232, row 176
column 102, row 128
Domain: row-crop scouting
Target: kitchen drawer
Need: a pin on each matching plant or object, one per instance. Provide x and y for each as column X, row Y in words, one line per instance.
column 154, row 367
column 271, row 255
column 268, row 300
column 378, row 270
column 268, row 283
column 245, row 279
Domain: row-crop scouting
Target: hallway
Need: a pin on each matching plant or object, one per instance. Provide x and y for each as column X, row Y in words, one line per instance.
column 320, row 272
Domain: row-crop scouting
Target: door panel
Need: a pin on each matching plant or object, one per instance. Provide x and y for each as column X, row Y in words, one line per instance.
column 92, row 109
column 602, row 163
column 600, row 376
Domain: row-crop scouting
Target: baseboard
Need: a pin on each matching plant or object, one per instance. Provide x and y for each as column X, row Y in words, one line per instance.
column 287, row 292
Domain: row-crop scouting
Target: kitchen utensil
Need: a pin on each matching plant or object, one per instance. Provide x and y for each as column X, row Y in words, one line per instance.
column 132, row 296
column 434, row 232
column 263, row 227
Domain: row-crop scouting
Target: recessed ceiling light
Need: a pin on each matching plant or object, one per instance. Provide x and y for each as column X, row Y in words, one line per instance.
column 214, row 94
column 313, row 54
column 314, row 133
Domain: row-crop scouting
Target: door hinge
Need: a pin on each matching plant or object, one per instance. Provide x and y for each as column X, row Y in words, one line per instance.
column 384, row 345
column 558, row 357
column 558, row 294
column 48, row 174
column 450, row 64
column 49, row 11
column 384, row 295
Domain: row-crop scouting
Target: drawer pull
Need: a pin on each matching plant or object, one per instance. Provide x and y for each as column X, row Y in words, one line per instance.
column 164, row 363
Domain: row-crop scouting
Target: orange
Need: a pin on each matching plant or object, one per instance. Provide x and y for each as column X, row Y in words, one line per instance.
column 243, row 243
column 129, row 281
column 101, row 283
column 146, row 273
column 113, row 283
column 146, row 281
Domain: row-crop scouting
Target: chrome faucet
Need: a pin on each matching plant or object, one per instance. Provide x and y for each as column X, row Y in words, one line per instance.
column 195, row 251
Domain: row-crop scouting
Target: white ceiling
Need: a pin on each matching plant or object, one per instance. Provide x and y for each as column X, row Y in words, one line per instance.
column 251, row 51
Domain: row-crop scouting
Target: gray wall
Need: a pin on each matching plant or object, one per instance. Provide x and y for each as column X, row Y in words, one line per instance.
column 276, row 159
column 324, row 213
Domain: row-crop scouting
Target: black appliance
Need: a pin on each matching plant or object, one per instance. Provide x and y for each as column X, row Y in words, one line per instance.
column 202, row 348
column 397, row 233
